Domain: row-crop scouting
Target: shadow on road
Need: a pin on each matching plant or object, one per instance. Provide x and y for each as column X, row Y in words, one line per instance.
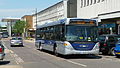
column 82, row 57
column 4, row 62
column 18, row 46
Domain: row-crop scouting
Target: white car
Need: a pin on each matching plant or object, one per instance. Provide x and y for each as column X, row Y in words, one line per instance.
column 16, row 41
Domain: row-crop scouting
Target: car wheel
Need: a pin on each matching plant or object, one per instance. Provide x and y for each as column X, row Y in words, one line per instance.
column 112, row 51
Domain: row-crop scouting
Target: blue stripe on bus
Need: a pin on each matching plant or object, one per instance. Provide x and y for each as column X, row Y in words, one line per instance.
column 49, row 42
column 83, row 47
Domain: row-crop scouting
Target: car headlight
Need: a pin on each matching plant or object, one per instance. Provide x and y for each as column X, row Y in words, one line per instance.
column 20, row 42
column 12, row 41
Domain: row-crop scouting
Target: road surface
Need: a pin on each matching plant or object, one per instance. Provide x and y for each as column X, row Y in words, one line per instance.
column 29, row 57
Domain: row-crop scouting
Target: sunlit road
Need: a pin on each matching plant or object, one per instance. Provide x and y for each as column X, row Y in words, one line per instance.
column 29, row 57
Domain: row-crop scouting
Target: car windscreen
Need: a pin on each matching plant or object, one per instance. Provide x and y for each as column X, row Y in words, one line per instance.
column 101, row 38
column 16, row 38
column 118, row 37
column 19, row 38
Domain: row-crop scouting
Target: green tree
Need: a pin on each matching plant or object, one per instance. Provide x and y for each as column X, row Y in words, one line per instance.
column 19, row 27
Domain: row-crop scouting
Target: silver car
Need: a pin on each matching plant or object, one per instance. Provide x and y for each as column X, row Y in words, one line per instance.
column 16, row 41
column 2, row 54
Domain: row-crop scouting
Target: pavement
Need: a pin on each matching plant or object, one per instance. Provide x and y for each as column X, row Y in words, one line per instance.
column 30, row 40
column 11, row 66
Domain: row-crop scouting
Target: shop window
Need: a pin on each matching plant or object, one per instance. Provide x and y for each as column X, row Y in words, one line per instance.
column 106, row 28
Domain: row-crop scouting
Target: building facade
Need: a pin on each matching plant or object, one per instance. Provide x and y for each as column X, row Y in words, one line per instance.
column 51, row 13
column 107, row 12
column 63, row 9
column 30, row 31
column 10, row 24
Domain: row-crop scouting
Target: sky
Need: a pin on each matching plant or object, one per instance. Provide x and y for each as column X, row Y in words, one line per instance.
column 19, row 8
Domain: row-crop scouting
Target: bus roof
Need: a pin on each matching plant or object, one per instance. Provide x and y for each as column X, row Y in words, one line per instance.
column 63, row 21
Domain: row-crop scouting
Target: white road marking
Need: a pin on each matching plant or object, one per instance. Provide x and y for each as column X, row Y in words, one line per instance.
column 18, row 60
column 79, row 64
column 4, row 45
column 16, row 57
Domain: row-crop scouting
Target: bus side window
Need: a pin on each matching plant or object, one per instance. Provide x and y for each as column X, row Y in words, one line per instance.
column 57, row 33
column 62, row 33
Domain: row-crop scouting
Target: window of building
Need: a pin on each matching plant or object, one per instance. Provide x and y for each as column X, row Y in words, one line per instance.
column 103, row 0
column 98, row 1
column 84, row 3
column 91, row 1
column 94, row 1
column 81, row 3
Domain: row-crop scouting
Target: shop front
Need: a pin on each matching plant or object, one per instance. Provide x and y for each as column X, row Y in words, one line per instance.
column 108, row 27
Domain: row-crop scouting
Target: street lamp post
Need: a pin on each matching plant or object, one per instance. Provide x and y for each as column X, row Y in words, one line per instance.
column 36, row 22
column 36, row 17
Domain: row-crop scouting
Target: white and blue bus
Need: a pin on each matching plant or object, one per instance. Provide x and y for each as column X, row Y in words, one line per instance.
column 68, row 36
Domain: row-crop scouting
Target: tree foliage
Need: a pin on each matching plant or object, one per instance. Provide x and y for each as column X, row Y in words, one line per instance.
column 19, row 27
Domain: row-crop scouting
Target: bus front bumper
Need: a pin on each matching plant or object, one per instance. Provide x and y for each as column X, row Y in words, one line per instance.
column 69, row 51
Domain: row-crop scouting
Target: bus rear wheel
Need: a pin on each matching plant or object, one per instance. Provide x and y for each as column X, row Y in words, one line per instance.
column 55, row 51
column 40, row 47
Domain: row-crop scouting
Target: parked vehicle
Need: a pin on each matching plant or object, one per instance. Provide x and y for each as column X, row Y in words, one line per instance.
column 2, row 54
column 68, row 36
column 16, row 41
column 4, row 36
column 107, row 43
column 117, row 49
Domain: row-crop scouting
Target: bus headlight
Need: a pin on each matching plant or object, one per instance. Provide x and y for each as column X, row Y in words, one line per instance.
column 65, row 44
